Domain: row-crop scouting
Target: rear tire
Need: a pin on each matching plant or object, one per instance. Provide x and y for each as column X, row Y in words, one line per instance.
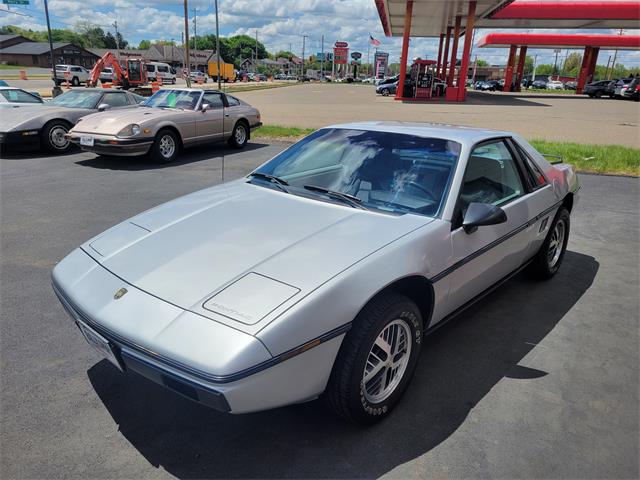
column 547, row 261
column 75, row 81
column 598, row 94
column 385, row 92
column 239, row 136
column 376, row 360
column 52, row 137
column 165, row 147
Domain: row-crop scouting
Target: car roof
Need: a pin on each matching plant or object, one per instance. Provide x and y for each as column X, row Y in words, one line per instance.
column 456, row 133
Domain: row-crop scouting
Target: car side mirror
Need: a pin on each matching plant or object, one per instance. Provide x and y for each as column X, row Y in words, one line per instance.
column 205, row 107
column 479, row 214
column 103, row 106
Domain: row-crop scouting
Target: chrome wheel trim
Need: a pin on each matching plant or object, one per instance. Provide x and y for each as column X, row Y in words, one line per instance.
column 56, row 137
column 167, row 146
column 240, row 135
column 556, row 243
column 387, row 361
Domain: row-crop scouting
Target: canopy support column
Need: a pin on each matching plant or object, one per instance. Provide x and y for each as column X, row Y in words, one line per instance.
column 440, row 44
column 405, row 49
column 466, row 52
column 584, row 69
column 443, row 71
column 454, row 52
column 520, row 72
column 508, row 74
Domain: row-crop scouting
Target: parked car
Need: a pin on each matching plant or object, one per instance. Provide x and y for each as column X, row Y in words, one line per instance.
column 17, row 97
column 197, row 74
column 632, row 92
column 159, row 70
column 610, row 89
column 3, row 83
column 621, row 86
column 539, row 84
column 223, row 297
column 489, row 85
column 570, row 85
column 106, row 75
column 168, row 120
column 388, row 80
column 386, row 89
column 555, row 85
column 46, row 125
column 260, row 77
column 75, row 74
column 596, row 89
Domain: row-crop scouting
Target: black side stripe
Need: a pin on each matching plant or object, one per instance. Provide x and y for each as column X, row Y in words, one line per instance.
column 118, row 340
column 493, row 244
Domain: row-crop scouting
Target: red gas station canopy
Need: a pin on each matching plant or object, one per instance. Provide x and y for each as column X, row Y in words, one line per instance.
column 548, row 40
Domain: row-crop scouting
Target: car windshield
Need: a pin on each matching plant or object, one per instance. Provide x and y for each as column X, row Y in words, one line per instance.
column 173, row 99
column 389, row 172
column 76, row 99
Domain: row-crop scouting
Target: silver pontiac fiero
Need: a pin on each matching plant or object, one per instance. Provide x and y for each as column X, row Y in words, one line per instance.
column 319, row 273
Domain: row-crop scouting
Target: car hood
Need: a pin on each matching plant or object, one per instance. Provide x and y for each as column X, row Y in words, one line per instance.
column 22, row 115
column 187, row 250
column 111, row 122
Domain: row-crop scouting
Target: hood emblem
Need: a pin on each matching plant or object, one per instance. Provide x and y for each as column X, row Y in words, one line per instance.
column 120, row 293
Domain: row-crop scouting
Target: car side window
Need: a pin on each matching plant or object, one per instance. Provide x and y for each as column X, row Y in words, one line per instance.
column 491, row 177
column 115, row 99
column 533, row 172
column 19, row 96
column 233, row 101
column 213, row 99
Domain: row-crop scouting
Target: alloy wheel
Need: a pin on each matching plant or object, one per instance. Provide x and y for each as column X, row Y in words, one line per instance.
column 56, row 137
column 387, row 361
column 167, row 146
column 556, row 244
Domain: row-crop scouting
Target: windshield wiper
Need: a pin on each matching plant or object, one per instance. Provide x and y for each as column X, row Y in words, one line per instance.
column 277, row 181
column 352, row 200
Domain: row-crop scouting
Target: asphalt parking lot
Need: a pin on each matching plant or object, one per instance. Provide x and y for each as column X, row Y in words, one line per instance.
column 539, row 380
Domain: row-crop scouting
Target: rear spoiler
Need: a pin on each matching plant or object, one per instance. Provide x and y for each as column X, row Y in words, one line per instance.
column 556, row 158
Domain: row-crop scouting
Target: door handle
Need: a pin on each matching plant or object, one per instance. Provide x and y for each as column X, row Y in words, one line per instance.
column 226, row 114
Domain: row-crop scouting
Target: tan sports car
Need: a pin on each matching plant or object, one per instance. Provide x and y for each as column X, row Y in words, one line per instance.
column 167, row 121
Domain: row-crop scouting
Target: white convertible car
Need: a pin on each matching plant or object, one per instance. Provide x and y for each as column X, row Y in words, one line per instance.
column 320, row 272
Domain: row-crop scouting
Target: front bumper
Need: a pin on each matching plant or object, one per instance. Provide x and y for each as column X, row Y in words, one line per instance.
column 112, row 145
column 20, row 139
column 193, row 356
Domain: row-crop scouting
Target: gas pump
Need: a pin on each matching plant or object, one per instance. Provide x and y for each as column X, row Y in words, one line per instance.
column 422, row 76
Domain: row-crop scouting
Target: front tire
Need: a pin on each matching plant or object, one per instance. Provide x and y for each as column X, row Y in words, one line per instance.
column 75, row 81
column 385, row 92
column 165, row 147
column 376, row 360
column 239, row 136
column 547, row 261
column 52, row 137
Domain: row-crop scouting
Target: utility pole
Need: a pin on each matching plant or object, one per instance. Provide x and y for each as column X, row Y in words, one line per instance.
column 606, row 70
column 56, row 88
column 187, row 59
column 218, row 44
column 304, row 37
column 115, row 25
column 195, row 28
column 555, row 63
column 322, row 60
column 533, row 74
column 615, row 57
column 256, row 63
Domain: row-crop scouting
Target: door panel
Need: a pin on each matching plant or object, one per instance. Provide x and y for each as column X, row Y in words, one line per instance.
column 491, row 252
column 209, row 124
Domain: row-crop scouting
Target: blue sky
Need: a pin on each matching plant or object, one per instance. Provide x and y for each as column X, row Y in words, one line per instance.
column 280, row 24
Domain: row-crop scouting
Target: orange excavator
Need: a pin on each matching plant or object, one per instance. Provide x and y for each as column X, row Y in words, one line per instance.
column 134, row 73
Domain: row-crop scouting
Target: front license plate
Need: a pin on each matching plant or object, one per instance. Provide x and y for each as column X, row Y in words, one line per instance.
column 99, row 343
column 86, row 141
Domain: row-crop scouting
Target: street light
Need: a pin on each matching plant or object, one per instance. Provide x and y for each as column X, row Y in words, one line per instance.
column 304, row 37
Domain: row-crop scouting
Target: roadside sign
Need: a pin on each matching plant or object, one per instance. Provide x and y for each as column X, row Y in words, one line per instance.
column 341, row 44
column 356, row 55
column 15, row 2
column 320, row 56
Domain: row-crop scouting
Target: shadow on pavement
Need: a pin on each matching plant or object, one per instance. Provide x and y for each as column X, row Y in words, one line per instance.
column 460, row 364
column 190, row 155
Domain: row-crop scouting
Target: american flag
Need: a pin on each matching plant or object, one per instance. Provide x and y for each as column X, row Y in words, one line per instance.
column 373, row 41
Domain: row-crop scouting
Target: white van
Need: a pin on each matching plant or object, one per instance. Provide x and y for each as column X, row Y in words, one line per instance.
column 157, row 70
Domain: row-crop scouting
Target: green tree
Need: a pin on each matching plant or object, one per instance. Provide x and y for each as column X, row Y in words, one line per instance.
column 283, row 54
column 240, row 47
column 144, row 45
column 482, row 63
column 572, row 64
column 544, row 69
column 92, row 35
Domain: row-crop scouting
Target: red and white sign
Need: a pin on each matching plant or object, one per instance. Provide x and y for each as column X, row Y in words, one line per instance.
column 341, row 44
